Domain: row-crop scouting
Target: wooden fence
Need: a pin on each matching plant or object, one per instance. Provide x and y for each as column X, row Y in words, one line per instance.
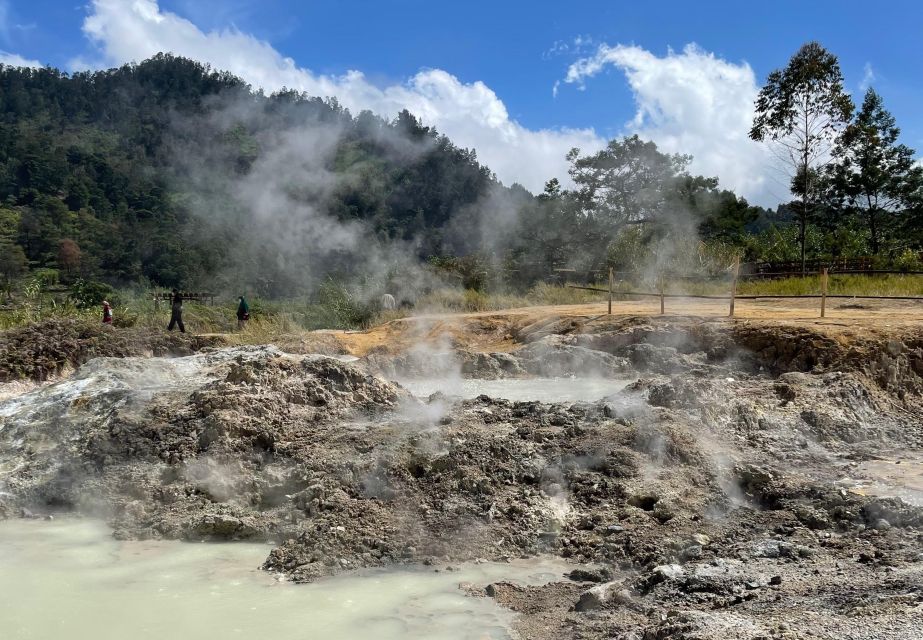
column 198, row 296
column 732, row 295
column 752, row 270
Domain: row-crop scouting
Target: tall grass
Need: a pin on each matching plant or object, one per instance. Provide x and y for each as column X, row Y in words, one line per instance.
column 273, row 318
column 853, row 285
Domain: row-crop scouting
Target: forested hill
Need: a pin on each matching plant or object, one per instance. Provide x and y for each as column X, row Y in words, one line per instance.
column 168, row 173
column 161, row 171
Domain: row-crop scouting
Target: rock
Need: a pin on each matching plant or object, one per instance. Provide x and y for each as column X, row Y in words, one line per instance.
column 590, row 574
column 481, row 365
column 508, row 363
column 811, row 517
column 785, row 392
column 223, row 526
column 668, row 571
column 700, row 539
column 648, row 357
column 603, row 595
column 775, row 580
column 664, row 511
column 692, row 552
column 678, row 393
column 882, row 525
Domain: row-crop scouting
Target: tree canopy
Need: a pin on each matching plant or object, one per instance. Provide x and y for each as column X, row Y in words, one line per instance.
column 873, row 175
column 170, row 173
column 801, row 109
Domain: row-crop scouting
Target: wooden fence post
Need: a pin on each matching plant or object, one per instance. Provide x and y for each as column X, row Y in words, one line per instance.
column 661, row 293
column 734, row 284
column 823, row 293
column 610, row 291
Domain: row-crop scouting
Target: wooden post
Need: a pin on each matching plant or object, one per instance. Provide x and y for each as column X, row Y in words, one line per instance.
column 610, row 291
column 734, row 284
column 823, row 293
column 661, row 293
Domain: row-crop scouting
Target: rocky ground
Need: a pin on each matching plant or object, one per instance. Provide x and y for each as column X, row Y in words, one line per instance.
column 719, row 494
column 57, row 345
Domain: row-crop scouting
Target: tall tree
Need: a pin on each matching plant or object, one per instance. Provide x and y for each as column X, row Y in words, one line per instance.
column 872, row 173
column 801, row 109
column 628, row 182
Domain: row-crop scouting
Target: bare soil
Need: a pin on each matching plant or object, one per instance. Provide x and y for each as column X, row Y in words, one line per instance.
column 757, row 478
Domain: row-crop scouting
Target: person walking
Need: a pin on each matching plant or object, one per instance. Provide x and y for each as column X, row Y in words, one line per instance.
column 243, row 313
column 176, row 312
column 107, row 313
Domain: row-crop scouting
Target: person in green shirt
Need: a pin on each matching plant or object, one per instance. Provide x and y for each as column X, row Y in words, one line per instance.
column 243, row 313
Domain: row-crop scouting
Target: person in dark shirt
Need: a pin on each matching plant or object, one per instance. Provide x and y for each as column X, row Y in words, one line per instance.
column 243, row 313
column 176, row 312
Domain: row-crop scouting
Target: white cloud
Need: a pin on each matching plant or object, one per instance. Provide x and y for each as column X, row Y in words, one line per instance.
column 15, row 60
column 692, row 102
column 688, row 102
column 471, row 114
column 868, row 76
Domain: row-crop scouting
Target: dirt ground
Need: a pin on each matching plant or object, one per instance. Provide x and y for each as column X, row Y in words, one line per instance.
column 750, row 478
column 487, row 331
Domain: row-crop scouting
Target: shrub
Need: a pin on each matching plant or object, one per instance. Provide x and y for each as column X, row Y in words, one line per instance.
column 908, row 260
column 87, row 293
column 343, row 306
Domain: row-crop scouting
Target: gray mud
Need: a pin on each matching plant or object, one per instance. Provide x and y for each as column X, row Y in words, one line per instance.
column 743, row 484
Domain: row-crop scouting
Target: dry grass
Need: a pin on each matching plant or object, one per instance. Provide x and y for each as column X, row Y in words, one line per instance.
column 271, row 319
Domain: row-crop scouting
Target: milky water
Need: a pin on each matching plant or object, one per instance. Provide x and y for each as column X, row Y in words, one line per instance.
column 520, row 389
column 888, row 478
column 71, row 580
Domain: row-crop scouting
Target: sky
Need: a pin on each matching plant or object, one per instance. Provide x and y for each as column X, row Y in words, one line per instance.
column 520, row 82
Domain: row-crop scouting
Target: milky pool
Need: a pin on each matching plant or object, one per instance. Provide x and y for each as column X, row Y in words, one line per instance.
column 519, row 389
column 70, row 579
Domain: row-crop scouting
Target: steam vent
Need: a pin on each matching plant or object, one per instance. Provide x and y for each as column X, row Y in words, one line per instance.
column 680, row 475
column 446, row 321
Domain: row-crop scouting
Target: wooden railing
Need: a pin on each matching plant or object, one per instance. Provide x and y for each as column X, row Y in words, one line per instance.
column 198, row 296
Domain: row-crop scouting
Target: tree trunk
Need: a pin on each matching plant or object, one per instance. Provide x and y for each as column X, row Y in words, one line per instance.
column 873, row 231
column 805, row 199
column 802, row 236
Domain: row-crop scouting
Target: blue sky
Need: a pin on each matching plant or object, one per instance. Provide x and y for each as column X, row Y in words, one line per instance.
column 501, row 61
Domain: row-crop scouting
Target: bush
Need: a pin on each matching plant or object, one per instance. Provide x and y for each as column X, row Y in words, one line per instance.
column 474, row 271
column 87, row 293
column 46, row 277
column 629, row 250
column 344, row 307
column 908, row 260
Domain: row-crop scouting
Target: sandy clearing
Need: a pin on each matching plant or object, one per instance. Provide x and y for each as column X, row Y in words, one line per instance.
column 846, row 319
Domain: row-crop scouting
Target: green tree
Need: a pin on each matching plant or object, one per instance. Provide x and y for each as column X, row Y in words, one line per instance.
column 726, row 217
column 630, row 182
column 801, row 109
column 12, row 263
column 873, row 174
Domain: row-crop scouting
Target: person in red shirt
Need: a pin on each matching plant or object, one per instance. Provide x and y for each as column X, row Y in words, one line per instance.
column 107, row 313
